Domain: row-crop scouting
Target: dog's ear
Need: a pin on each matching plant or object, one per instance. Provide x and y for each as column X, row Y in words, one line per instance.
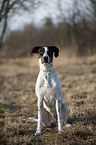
column 35, row 49
column 55, row 51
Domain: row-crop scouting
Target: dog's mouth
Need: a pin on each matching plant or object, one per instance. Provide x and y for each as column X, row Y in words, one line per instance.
column 45, row 62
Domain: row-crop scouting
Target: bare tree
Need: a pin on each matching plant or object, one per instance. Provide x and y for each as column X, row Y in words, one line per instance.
column 10, row 6
column 93, row 3
column 81, row 18
column 5, row 8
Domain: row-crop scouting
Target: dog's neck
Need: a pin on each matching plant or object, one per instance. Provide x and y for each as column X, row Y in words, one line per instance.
column 45, row 67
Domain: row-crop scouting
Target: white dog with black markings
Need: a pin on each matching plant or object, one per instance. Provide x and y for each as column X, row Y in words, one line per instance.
column 49, row 91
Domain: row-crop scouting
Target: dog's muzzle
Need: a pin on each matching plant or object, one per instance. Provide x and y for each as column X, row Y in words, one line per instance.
column 45, row 59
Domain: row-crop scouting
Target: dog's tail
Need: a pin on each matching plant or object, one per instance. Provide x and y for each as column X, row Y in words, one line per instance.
column 34, row 119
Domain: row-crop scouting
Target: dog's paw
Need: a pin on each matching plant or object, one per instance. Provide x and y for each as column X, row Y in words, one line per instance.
column 60, row 131
column 68, row 125
column 37, row 133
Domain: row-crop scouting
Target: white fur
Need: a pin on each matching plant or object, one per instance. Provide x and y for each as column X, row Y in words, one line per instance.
column 46, row 54
column 50, row 96
column 46, row 49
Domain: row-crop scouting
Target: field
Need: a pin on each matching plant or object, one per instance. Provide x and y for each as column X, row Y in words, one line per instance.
column 18, row 101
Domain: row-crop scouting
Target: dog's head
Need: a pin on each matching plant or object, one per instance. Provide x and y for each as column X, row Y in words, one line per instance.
column 46, row 53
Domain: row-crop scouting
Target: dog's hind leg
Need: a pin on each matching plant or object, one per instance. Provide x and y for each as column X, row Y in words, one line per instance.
column 49, row 118
column 65, row 113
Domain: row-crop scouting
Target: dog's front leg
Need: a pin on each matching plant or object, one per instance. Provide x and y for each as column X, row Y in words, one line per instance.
column 40, row 111
column 59, row 116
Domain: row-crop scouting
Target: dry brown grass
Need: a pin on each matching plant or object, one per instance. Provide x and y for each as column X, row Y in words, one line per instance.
column 18, row 101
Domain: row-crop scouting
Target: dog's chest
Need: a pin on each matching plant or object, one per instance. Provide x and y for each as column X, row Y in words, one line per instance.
column 48, row 85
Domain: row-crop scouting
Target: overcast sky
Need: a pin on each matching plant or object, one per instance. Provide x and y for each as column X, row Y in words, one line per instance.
column 51, row 8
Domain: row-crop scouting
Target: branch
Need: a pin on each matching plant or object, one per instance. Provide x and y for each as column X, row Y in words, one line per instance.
column 2, row 8
column 5, row 24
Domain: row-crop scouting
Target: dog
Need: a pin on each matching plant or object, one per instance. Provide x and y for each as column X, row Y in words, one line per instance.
column 51, row 107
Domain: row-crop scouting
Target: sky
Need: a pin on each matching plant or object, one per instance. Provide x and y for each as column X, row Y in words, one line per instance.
column 52, row 8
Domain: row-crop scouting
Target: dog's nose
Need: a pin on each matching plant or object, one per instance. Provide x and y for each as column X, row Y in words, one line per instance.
column 45, row 59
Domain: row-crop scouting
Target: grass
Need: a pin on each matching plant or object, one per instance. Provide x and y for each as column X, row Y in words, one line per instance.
column 18, row 101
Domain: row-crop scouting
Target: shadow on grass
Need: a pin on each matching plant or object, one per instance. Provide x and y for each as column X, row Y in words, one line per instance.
column 36, row 142
column 88, row 119
column 12, row 107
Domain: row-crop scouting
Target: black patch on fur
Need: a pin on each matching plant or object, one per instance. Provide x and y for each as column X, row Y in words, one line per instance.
column 41, row 51
column 35, row 49
column 51, row 50
column 55, row 50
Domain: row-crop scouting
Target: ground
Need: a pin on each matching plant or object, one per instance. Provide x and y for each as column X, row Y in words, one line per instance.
column 18, row 101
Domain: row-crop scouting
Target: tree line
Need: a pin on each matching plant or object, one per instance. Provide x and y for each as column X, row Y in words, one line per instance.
column 77, row 30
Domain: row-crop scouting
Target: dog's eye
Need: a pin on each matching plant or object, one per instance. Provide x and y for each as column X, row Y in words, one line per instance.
column 41, row 53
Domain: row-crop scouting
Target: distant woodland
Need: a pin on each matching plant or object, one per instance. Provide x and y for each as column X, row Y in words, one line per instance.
column 76, row 34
